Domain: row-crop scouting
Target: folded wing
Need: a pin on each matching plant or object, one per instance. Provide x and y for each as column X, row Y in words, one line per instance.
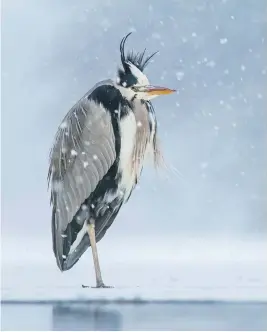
column 83, row 152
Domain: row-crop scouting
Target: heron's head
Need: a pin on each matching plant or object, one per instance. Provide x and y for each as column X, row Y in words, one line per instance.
column 131, row 80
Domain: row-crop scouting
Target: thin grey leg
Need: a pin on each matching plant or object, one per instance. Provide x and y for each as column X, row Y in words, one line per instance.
column 91, row 233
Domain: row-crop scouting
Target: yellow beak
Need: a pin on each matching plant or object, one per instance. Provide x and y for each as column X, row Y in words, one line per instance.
column 158, row 90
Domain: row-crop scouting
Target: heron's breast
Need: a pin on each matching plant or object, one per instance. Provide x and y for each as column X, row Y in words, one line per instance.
column 135, row 137
column 128, row 136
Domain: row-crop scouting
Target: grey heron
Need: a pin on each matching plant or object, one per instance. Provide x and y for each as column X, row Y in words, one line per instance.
column 97, row 158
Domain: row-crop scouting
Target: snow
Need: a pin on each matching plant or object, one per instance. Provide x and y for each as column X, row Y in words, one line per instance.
column 64, row 125
column 204, row 165
column 179, row 75
column 223, row 41
column 211, row 64
column 73, row 153
column 84, row 207
column 180, row 269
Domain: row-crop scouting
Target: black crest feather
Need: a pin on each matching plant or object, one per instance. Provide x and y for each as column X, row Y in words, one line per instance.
column 137, row 59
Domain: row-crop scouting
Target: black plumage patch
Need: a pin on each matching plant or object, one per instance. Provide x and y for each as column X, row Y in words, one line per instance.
column 111, row 98
column 139, row 59
column 113, row 101
column 126, row 78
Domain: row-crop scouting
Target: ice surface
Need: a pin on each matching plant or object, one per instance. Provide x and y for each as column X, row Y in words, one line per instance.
column 180, row 269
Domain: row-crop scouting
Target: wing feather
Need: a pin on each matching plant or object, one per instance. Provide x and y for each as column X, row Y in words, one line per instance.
column 83, row 152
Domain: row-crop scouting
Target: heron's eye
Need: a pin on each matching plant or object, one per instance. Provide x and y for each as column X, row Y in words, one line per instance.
column 134, row 88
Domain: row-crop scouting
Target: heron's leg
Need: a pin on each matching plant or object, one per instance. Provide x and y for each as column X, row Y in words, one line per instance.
column 91, row 233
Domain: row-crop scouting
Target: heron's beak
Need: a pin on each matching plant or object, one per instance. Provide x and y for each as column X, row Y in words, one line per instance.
column 157, row 90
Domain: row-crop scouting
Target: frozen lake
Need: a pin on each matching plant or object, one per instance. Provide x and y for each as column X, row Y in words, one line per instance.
column 181, row 286
column 134, row 315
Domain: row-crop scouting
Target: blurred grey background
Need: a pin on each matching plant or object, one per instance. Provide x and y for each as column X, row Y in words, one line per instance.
column 213, row 130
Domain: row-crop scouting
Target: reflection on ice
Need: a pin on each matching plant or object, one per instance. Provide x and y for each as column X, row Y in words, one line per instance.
column 85, row 317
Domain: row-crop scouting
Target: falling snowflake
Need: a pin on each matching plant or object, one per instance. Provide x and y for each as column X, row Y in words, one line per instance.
column 223, row 41
column 179, row 75
column 204, row 165
column 84, row 207
column 57, row 186
column 211, row 64
column 156, row 36
column 85, row 164
column 73, row 153
column 63, row 125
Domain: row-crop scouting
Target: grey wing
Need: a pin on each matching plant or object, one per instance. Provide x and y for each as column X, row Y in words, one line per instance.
column 83, row 152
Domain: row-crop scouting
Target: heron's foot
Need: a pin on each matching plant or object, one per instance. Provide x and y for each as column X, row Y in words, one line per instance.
column 100, row 285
